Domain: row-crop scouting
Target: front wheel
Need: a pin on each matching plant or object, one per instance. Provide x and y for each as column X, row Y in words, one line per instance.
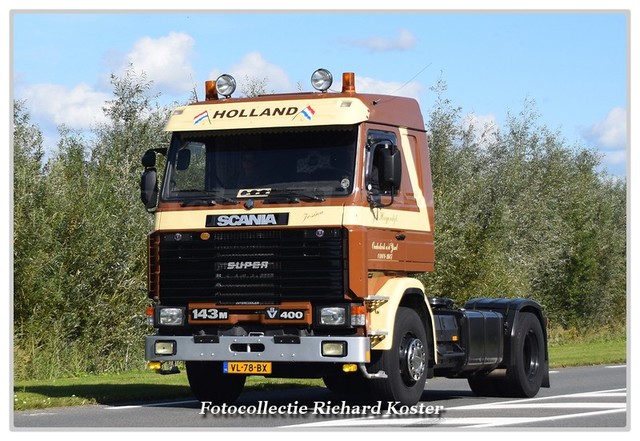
column 354, row 386
column 405, row 363
column 209, row 383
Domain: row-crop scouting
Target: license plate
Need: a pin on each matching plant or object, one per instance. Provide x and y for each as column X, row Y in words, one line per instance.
column 246, row 367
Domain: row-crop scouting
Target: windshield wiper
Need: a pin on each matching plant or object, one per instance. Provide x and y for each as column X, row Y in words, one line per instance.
column 198, row 203
column 291, row 196
column 208, row 200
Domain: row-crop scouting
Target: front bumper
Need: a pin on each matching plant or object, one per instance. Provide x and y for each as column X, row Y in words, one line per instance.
column 257, row 348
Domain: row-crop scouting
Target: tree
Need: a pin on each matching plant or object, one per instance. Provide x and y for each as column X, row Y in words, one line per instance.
column 521, row 214
column 28, row 217
column 253, row 87
column 79, row 275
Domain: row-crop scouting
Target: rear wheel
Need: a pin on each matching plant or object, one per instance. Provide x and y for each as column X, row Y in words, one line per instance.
column 405, row 363
column 485, row 387
column 209, row 383
column 524, row 378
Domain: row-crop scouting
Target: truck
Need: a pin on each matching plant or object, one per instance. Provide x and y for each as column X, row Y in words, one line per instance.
column 289, row 234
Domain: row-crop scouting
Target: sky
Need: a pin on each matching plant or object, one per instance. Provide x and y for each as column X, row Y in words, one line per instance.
column 572, row 64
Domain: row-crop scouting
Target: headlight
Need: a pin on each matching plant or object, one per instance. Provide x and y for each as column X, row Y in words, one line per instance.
column 333, row 316
column 321, row 80
column 226, row 85
column 171, row 316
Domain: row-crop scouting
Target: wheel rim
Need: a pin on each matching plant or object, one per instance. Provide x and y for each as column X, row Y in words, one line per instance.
column 531, row 355
column 413, row 359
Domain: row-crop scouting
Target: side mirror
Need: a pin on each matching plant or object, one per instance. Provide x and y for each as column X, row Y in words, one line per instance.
column 149, row 179
column 149, row 158
column 386, row 173
column 149, row 188
column 391, row 169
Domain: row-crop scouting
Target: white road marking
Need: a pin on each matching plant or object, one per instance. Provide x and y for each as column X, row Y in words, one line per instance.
column 549, row 418
column 528, row 400
column 40, row 414
column 368, row 421
column 138, row 406
column 479, row 422
column 546, row 406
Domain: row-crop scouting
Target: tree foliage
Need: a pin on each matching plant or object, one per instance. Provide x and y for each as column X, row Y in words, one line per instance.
column 521, row 214
column 518, row 214
column 79, row 240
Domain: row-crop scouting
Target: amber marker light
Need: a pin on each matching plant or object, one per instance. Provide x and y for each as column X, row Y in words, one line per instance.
column 205, row 236
column 210, row 90
column 348, row 82
column 349, row 367
column 358, row 315
column 149, row 314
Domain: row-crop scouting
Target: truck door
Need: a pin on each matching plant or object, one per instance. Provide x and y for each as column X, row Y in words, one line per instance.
column 401, row 227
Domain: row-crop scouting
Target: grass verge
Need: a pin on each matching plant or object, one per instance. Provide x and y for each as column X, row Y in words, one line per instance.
column 612, row 351
column 128, row 387
column 147, row 385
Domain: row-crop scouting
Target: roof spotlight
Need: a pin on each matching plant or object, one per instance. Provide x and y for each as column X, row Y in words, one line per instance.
column 226, row 85
column 321, row 80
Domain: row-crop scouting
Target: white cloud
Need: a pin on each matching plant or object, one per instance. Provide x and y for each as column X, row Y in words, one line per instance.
column 610, row 136
column 403, row 41
column 165, row 61
column 254, row 66
column 616, row 157
column 371, row 85
column 77, row 108
column 610, row 132
column 484, row 128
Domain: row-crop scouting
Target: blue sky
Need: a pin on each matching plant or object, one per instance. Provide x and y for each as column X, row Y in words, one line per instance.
column 573, row 64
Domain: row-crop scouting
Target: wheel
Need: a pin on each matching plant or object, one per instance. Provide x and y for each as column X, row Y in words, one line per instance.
column 354, row 385
column 405, row 363
column 209, row 383
column 524, row 378
column 484, row 387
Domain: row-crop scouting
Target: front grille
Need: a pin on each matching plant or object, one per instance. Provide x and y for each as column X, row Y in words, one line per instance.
column 258, row 265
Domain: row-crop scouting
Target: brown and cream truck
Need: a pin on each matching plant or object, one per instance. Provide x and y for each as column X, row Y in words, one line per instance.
column 288, row 230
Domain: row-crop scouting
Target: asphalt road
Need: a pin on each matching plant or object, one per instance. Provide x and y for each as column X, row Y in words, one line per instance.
column 579, row 398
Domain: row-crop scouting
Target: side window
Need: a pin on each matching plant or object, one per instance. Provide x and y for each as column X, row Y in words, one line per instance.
column 189, row 165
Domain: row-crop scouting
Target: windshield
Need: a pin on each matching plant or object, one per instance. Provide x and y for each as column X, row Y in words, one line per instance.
column 317, row 161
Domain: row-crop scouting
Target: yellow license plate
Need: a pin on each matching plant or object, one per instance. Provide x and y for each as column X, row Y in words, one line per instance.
column 247, row 367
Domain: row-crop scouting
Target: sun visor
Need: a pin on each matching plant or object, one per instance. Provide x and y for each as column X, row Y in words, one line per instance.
column 266, row 114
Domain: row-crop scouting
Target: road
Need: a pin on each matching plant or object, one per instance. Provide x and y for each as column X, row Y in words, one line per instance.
column 585, row 397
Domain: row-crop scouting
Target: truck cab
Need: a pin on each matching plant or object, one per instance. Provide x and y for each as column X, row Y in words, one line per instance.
column 288, row 230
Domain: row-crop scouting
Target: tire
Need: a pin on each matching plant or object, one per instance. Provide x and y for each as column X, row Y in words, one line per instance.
column 405, row 364
column 524, row 377
column 208, row 383
column 484, row 387
column 354, row 385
